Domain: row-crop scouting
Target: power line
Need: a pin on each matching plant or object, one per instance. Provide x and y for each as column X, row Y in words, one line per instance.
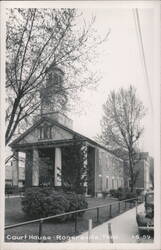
column 142, row 52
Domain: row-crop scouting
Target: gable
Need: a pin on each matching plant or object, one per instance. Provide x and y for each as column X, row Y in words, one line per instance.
column 46, row 131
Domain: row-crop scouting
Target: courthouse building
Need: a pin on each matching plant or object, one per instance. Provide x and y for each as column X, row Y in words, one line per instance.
column 42, row 144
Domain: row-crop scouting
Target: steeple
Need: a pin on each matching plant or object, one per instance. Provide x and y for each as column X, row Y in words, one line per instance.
column 48, row 94
column 48, row 97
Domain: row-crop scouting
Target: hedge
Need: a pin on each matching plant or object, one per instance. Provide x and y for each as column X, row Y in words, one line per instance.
column 122, row 194
column 43, row 202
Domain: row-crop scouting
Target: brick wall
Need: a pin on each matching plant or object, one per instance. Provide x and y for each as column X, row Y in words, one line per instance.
column 109, row 171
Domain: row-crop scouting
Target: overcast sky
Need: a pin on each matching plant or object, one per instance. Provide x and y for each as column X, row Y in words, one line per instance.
column 119, row 62
column 119, row 65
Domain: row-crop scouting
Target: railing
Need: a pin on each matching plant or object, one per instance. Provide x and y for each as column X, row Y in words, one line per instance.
column 132, row 202
column 148, row 228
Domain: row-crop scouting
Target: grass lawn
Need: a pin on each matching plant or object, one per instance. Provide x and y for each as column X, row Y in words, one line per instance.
column 54, row 230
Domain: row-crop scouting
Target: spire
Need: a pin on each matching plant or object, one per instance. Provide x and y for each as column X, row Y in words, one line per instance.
column 48, row 94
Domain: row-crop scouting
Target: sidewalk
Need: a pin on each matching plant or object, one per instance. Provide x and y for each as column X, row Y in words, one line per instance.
column 123, row 228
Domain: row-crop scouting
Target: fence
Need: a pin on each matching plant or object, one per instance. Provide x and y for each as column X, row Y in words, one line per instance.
column 121, row 206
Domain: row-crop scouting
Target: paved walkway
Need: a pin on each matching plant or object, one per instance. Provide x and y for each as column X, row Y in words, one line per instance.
column 123, row 229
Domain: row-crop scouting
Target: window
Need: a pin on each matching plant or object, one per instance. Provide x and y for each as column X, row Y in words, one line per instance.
column 113, row 183
column 100, row 182
column 107, row 182
column 45, row 132
column 122, row 183
column 41, row 133
column 107, row 163
column 117, row 183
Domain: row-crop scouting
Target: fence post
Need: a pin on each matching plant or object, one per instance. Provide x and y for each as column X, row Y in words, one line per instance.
column 98, row 215
column 110, row 233
column 89, row 230
column 136, row 204
column 40, row 230
column 75, row 223
column 119, row 206
column 125, row 205
column 110, row 215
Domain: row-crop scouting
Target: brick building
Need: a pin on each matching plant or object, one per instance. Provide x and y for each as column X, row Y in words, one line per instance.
column 143, row 172
column 42, row 145
column 143, row 168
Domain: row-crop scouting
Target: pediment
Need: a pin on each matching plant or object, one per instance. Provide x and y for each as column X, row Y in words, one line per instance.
column 46, row 131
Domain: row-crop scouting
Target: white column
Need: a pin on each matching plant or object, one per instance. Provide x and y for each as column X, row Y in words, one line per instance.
column 15, row 169
column 58, row 166
column 35, row 168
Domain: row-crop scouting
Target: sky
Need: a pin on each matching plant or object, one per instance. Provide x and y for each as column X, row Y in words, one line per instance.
column 119, row 65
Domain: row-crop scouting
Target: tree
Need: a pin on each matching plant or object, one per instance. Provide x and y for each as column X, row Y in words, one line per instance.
column 152, row 172
column 74, row 166
column 121, row 125
column 37, row 38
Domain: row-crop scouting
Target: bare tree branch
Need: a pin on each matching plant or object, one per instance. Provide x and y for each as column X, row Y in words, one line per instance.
column 121, row 128
column 37, row 38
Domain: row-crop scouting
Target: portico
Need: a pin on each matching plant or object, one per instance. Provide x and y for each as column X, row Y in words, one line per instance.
column 43, row 164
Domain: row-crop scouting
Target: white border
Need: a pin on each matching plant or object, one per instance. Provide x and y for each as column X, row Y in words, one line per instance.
column 156, row 88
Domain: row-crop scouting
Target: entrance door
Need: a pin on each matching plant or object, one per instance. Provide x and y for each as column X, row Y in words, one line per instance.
column 46, row 174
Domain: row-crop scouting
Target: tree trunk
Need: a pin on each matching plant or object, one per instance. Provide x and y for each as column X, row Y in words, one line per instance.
column 131, row 172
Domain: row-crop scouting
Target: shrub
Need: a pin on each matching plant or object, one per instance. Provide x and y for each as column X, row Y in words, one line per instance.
column 82, row 203
column 122, row 193
column 115, row 193
column 130, row 195
column 112, row 192
column 73, row 203
column 43, row 202
column 76, row 202
column 105, row 194
column 8, row 189
column 126, row 194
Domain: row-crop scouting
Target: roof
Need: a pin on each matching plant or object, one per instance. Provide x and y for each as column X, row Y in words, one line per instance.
column 82, row 137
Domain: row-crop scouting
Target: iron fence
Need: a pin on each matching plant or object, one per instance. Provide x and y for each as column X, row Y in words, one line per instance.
column 122, row 206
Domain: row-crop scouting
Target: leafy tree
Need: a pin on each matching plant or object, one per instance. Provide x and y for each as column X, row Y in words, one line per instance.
column 121, row 125
column 74, row 166
column 37, row 38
